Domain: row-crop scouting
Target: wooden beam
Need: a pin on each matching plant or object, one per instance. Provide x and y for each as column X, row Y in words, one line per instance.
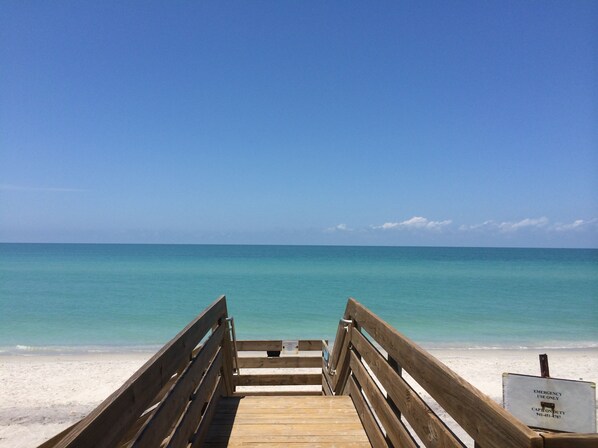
column 326, row 380
column 173, row 405
column 283, row 362
column 190, row 420
column 427, row 425
column 483, row 419
column 207, row 417
column 227, row 362
column 341, row 332
column 279, row 379
column 367, row 419
column 135, row 428
column 259, row 346
column 341, row 370
column 54, row 440
column 279, row 393
column 310, row 345
column 106, row 425
column 568, row 440
column 395, row 430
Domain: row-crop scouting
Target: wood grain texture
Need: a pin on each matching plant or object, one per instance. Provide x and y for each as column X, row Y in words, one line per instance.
column 326, row 380
column 278, row 393
column 207, row 417
column 553, row 440
column 283, row 362
column 395, row 430
column 279, row 379
column 341, row 371
column 373, row 431
column 106, row 425
column 484, row 420
column 286, row 421
column 432, row 431
column 189, row 422
column 173, row 405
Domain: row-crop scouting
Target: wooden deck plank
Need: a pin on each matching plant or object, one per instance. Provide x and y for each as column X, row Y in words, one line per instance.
column 284, row 362
column 279, row 379
column 344, row 443
column 314, row 421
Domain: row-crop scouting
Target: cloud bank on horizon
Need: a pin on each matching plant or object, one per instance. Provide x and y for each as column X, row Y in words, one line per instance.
column 421, row 223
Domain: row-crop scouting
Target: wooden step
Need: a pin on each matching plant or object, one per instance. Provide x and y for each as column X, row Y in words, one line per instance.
column 295, row 422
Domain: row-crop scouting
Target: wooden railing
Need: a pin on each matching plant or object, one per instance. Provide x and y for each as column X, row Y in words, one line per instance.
column 254, row 357
column 170, row 400
column 367, row 363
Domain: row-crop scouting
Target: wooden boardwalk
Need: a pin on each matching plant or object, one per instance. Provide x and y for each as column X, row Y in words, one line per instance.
column 296, row 422
column 205, row 388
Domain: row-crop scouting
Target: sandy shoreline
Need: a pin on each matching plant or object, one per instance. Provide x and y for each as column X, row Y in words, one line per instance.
column 41, row 395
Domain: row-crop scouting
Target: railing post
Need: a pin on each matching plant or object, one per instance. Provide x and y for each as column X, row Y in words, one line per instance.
column 342, row 369
column 227, row 360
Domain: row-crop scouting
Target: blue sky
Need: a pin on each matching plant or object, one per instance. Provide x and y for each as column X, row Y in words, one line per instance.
column 391, row 123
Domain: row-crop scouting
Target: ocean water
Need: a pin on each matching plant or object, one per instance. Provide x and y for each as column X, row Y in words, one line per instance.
column 85, row 297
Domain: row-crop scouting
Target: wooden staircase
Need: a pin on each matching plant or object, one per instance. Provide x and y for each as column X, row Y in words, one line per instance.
column 204, row 388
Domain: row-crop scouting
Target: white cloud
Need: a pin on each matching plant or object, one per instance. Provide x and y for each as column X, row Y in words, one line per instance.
column 485, row 225
column 416, row 222
column 509, row 226
column 577, row 225
column 339, row 228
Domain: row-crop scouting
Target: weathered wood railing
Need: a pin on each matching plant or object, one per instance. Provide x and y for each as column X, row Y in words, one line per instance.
column 265, row 363
column 169, row 401
column 367, row 362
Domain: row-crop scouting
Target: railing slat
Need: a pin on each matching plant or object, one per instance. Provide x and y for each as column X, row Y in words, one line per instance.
column 483, row 419
column 191, row 418
column 208, row 415
column 169, row 410
column 135, row 428
column 367, row 419
column 427, row 425
column 395, row 430
column 279, row 379
column 106, row 425
column 310, row 345
column 283, row 362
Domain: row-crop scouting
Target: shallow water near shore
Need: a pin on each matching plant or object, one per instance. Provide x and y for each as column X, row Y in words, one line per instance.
column 58, row 298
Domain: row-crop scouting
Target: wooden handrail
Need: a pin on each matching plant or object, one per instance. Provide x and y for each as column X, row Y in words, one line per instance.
column 171, row 400
column 106, row 425
column 483, row 419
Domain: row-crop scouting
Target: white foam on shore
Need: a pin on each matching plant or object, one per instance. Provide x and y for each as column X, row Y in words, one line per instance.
column 546, row 345
column 40, row 350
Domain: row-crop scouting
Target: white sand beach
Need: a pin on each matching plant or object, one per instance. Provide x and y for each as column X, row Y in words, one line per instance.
column 41, row 395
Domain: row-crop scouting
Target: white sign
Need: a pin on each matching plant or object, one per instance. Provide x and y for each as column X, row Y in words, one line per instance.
column 290, row 347
column 551, row 403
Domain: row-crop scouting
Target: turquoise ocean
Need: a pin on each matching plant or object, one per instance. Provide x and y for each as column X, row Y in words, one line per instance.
column 96, row 298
